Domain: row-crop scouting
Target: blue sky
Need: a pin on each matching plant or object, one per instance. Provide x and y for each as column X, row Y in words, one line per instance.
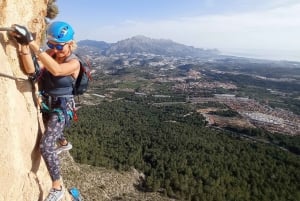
column 267, row 27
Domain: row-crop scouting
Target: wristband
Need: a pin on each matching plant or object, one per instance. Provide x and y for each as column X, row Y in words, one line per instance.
column 23, row 53
column 37, row 53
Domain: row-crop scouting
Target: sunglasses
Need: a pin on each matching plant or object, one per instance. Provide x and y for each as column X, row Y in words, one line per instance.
column 56, row 46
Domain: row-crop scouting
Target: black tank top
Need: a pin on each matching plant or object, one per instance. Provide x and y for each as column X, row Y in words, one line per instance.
column 57, row 85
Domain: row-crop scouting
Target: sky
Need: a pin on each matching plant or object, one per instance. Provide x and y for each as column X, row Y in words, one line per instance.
column 255, row 28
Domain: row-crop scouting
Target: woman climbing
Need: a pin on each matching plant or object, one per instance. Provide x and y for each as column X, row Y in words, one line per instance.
column 59, row 69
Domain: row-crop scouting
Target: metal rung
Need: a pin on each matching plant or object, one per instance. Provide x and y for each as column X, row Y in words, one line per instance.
column 6, row 29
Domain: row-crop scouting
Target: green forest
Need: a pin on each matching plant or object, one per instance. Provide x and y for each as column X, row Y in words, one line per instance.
column 180, row 156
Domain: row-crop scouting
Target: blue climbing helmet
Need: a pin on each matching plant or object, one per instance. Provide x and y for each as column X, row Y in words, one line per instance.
column 60, row 32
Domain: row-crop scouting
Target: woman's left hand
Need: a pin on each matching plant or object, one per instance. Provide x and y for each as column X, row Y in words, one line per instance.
column 21, row 34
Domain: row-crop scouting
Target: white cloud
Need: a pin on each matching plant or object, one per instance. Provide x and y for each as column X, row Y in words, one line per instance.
column 276, row 29
column 236, row 24
column 275, row 3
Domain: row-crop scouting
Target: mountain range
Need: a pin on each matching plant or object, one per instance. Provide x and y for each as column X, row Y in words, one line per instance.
column 145, row 45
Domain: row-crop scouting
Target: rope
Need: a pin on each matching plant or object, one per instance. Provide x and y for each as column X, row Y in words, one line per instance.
column 12, row 77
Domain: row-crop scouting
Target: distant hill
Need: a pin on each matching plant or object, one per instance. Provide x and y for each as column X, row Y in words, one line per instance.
column 145, row 45
column 101, row 45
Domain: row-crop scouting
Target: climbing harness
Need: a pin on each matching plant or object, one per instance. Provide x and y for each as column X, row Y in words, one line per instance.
column 60, row 105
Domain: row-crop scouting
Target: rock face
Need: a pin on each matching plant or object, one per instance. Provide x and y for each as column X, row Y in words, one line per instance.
column 23, row 172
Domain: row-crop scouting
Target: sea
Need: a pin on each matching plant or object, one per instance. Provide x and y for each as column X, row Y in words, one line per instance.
column 278, row 55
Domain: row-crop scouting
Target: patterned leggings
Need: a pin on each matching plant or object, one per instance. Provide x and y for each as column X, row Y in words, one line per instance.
column 53, row 133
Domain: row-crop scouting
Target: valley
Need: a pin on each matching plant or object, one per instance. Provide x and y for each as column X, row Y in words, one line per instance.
column 202, row 81
column 197, row 128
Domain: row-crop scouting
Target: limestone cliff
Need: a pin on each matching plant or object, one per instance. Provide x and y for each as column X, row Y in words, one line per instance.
column 23, row 172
